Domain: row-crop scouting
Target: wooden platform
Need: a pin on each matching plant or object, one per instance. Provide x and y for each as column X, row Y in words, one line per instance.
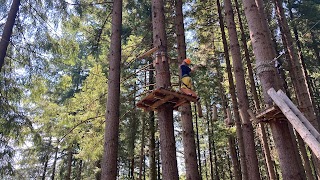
column 161, row 96
column 270, row 113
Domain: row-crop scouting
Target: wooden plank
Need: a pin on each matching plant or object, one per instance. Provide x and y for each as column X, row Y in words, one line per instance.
column 148, row 53
column 253, row 117
column 305, row 134
column 179, row 95
column 303, row 119
column 179, row 103
column 162, row 101
column 160, row 96
column 266, row 113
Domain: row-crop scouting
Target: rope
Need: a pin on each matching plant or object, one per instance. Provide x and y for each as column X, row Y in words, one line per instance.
column 263, row 66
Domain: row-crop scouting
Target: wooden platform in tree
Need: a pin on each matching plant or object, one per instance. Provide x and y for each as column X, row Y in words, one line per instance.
column 270, row 113
column 161, row 96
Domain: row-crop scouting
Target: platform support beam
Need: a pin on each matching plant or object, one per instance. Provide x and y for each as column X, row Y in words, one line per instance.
column 305, row 134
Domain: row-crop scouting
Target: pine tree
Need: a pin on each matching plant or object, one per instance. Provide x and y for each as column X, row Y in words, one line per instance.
column 165, row 112
column 188, row 139
column 109, row 164
column 243, row 102
column 264, row 54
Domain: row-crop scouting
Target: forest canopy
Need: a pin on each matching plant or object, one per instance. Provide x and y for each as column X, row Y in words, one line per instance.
column 56, row 68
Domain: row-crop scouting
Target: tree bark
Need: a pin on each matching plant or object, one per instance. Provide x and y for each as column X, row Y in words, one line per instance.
column 209, row 132
column 264, row 54
column 298, row 76
column 302, row 59
column 269, row 162
column 7, row 30
column 111, row 136
column 54, row 163
column 142, row 150
column 234, row 158
column 165, row 112
column 243, row 102
column 239, row 131
column 45, row 167
column 132, row 131
column 216, row 172
column 198, row 140
column 152, row 143
column 189, row 145
column 305, row 157
column 69, row 164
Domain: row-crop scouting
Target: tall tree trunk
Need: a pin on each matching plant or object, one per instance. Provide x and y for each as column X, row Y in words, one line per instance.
column 302, row 59
column 271, row 172
column 198, row 139
column 45, row 167
column 243, row 102
column 282, row 75
column 267, row 156
column 189, row 145
column 209, row 130
column 264, row 54
column 216, row 172
column 7, row 30
column 181, row 42
column 69, row 163
column 165, row 112
column 305, row 157
column 132, row 132
column 152, row 142
column 54, row 163
column 158, row 159
column 240, row 134
column 234, row 158
column 142, row 149
column 247, row 58
column 111, row 136
column 298, row 77
column 205, row 163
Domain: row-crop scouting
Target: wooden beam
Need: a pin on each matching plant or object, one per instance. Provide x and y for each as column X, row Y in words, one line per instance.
column 162, row 101
column 305, row 134
column 148, row 53
column 179, row 95
column 179, row 103
column 303, row 119
column 253, row 117
column 267, row 112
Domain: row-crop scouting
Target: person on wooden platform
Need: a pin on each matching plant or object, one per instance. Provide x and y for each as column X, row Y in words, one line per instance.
column 186, row 82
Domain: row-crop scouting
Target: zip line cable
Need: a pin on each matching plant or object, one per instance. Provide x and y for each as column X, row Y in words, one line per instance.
column 276, row 58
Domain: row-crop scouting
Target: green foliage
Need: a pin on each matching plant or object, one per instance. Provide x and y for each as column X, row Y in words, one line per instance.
column 54, row 85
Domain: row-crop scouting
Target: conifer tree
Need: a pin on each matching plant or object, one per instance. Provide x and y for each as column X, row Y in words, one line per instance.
column 243, row 102
column 264, row 53
column 109, row 163
column 165, row 112
column 188, row 139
